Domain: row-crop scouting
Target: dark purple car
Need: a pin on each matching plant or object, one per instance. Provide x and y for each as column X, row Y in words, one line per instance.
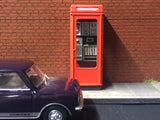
column 27, row 93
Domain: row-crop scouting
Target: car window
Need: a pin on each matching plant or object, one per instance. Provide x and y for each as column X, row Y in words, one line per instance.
column 36, row 76
column 11, row 81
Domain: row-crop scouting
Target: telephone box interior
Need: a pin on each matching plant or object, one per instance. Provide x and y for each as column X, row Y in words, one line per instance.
column 86, row 42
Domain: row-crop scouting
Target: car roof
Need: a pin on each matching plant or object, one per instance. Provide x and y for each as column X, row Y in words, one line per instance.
column 15, row 65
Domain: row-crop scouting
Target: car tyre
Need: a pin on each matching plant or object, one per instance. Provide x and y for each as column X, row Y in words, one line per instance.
column 55, row 113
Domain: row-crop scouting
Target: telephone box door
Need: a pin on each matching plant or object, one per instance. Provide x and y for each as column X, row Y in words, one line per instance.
column 86, row 45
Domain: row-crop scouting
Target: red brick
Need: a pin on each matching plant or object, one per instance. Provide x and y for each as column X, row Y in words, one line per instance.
column 39, row 30
column 68, row 1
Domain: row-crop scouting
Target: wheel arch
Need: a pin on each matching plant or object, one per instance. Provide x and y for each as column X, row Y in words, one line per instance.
column 54, row 104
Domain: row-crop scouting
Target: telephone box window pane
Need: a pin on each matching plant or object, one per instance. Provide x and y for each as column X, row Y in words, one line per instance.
column 86, row 42
column 79, row 48
column 85, row 28
column 90, row 50
column 78, row 30
column 93, row 28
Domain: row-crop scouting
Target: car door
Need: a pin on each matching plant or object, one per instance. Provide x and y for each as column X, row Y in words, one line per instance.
column 15, row 97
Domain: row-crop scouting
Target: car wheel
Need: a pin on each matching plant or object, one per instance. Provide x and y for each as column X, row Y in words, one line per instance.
column 55, row 113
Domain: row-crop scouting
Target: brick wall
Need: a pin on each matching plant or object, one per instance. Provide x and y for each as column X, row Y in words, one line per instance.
column 39, row 30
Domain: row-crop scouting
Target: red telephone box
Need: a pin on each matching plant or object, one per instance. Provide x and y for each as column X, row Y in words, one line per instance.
column 86, row 44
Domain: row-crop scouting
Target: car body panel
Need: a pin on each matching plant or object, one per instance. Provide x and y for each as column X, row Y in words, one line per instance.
column 55, row 92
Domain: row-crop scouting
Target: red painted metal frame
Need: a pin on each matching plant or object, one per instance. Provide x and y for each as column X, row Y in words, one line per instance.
column 87, row 76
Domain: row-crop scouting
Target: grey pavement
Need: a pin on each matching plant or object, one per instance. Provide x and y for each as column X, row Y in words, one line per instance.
column 125, row 90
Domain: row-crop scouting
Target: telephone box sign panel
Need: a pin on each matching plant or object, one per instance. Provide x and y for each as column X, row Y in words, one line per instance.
column 86, row 9
column 86, row 44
